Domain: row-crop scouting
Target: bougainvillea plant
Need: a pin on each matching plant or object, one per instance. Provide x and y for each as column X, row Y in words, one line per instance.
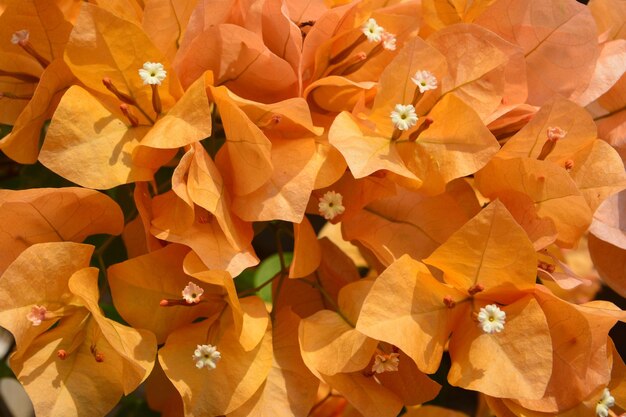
column 323, row 208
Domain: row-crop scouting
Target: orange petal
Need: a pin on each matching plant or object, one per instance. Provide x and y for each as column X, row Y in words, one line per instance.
column 365, row 151
column 515, row 363
column 550, row 33
column 306, row 253
column 449, row 148
column 552, row 190
column 485, row 70
column 491, row 250
column 22, row 144
column 41, row 215
column 105, row 45
column 408, row 223
column 245, row 158
column 139, row 284
column 190, row 118
column 39, row 276
column 237, row 377
column 286, row 193
column 405, row 307
column 135, row 347
column 90, row 146
column 275, row 397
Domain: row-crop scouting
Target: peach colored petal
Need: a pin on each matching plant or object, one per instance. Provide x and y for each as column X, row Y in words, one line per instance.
column 559, row 42
column 408, row 223
column 42, row 215
column 190, row 118
column 551, row 188
column 306, row 253
column 513, row 363
column 22, row 144
column 42, row 272
column 491, row 250
column 90, row 146
column 237, row 377
column 105, row 45
column 406, row 308
column 245, row 158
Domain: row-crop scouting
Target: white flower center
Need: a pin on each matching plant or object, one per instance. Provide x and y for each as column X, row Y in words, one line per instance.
column 206, row 356
column 604, row 403
column 424, row 80
column 331, row 205
column 372, row 31
column 192, row 293
column 491, row 319
column 403, row 116
column 386, row 363
column 36, row 315
column 152, row 73
column 20, row 36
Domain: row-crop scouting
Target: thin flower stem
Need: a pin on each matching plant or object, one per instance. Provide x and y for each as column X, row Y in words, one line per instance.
column 251, row 291
column 281, row 274
column 150, row 119
column 105, row 245
column 330, row 300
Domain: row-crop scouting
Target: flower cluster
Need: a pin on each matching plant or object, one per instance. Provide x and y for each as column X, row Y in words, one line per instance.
column 321, row 204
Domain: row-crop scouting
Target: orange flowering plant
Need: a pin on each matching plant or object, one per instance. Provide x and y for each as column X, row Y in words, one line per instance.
column 286, row 208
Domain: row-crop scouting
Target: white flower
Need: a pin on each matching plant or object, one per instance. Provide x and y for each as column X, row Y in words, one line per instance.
column 607, row 401
column 389, row 41
column 386, row 363
column 425, row 80
column 20, row 36
column 404, row 117
column 152, row 73
column 192, row 293
column 37, row 315
column 491, row 319
column 331, row 205
column 206, row 355
column 555, row 133
column 372, row 31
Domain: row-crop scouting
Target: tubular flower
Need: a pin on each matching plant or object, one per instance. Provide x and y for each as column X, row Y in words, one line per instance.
column 604, row 403
column 152, row 73
column 424, row 80
column 192, row 293
column 206, row 356
column 404, row 116
column 20, row 36
column 491, row 319
column 37, row 315
column 386, row 363
column 331, row 205
column 373, row 31
column 389, row 41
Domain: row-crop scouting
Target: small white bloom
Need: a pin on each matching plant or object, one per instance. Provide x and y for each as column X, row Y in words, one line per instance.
column 404, row 117
column 389, row 41
column 604, row 403
column 386, row 363
column 37, row 315
column 20, row 36
column 331, row 205
column 152, row 73
column 372, row 31
column 555, row 133
column 192, row 293
column 491, row 319
column 425, row 80
column 206, row 355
